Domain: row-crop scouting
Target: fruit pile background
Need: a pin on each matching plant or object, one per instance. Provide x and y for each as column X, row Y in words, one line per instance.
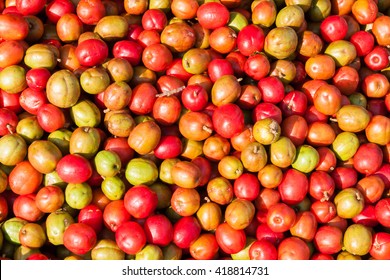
column 194, row 129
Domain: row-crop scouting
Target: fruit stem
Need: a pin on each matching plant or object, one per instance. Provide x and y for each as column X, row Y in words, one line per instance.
column 170, row 92
column 9, row 128
column 206, row 128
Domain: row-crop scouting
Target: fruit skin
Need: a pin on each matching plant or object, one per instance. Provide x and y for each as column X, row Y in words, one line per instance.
column 290, row 117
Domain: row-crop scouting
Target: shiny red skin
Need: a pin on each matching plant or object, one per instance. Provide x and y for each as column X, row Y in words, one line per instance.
column 10, row 101
column 293, row 248
column 294, row 103
column 130, row 237
column 380, row 249
column 37, row 78
column 333, row 28
column 177, row 70
column 382, row 212
column 271, row 89
column 37, row 256
column 377, row 59
column 158, row 230
column 170, row 146
column 228, row 120
column 154, row 19
column 25, row 208
column 32, row 100
column 321, row 185
column 237, row 60
column 363, row 41
column 166, row 110
column 140, row 201
column 74, row 168
column 267, row 110
column 324, row 211
column 366, row 216
column 250, row 39
column 90, row 11
column 328, row 240
column 79, row 238
column 212, row 15
column 344, row 177
column 120, row 146
column 185, row 231
column 247, row 186
column 368, row 158
column 384, row 174
column 56, row 8
column 30, row 7
column 293, row 187
column 115, row 214
column 134, row 31
column 157, row 57
column 263, row 250
column 230, row 240
column 92, row 216
column 142, row 99
column 280, row 217
column 129, row 50
column 257, row 66
column 194, row 97
column 8, row 121
column 91, row 52
column 219, row 67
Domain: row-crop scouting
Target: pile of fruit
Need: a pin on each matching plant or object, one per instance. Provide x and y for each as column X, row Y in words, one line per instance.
column 191, row 129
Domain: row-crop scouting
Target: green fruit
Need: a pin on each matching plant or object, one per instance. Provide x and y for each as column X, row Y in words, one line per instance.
column 78, row 195
column 281, row 42
column 41, row 56
column 140, row 171
column 85, row 141
column 61, row 139
column 282, row 152
column 237, row 21
column 13, row 79
column 150, row 252
column 113, row 187
column 11, row 229
column 107, row 163
column 63, row 89
column 13, row 149
column 56, row 224
column 172, row 252
column 112, row 27
column 343, row 52
column 244, row 253
column 107, row 249
column 165, row 170
column 23, row 252
column 349, row 203
column 85, row 113
column 29, row 129
column 358, row 239
column 345, row 145
column 352, row 118
column 307, row 159
column 94, row 80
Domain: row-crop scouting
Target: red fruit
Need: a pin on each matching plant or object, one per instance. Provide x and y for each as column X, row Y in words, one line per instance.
column 158, row 230
column 79, row 238
column 333, row 28
column 74, row 168
column 228, row 120
column 130, row 237
column 140, row 201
